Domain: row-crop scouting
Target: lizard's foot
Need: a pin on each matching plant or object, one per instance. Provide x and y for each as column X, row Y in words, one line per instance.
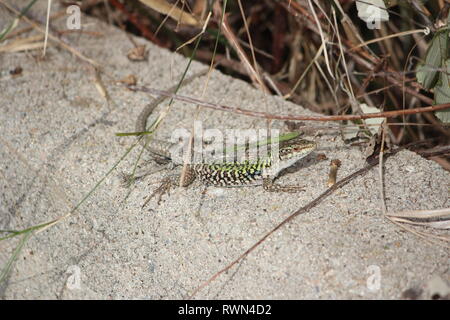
column 271, row 186
column 165, row 186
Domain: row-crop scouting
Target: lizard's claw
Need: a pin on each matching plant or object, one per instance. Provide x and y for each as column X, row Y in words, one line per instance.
column 165, row 186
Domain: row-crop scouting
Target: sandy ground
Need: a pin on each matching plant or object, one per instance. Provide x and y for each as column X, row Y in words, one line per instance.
column 57, row 138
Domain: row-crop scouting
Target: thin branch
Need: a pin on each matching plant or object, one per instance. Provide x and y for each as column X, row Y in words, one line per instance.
column 270, row 116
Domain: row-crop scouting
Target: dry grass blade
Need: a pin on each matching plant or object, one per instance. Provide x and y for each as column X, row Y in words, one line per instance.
column 172, row 11
column 313, row 61
column 247, row 30
column 24, row 44
column 439, row 218
column 57, row 15
column 422, row 214
column 323, row 39
column 47, row 23
column 435, row 224
column 431, row 238
column 400, row 34
column 252, row 73
column 188, row 42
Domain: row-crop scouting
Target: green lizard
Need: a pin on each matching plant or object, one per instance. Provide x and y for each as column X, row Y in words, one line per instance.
column 232, row 173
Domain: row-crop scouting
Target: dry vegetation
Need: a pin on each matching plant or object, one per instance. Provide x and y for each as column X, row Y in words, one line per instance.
column 319, row 54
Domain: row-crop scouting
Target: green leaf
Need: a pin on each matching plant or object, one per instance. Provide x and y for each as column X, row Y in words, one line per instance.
column 428, row 73
column 442, row 92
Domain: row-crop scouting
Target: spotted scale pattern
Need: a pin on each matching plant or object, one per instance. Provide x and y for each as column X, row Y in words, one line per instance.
column 252, row 173
column 232, row 174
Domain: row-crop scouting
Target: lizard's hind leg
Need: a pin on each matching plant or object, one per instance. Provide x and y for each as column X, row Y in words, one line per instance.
column 166, row 184
column 171, row 181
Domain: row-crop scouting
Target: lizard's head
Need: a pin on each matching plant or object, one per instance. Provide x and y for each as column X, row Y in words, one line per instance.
column 295, row 149
column 289, row 152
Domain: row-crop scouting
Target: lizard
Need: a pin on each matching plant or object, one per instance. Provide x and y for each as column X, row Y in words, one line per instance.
column 231, row 173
